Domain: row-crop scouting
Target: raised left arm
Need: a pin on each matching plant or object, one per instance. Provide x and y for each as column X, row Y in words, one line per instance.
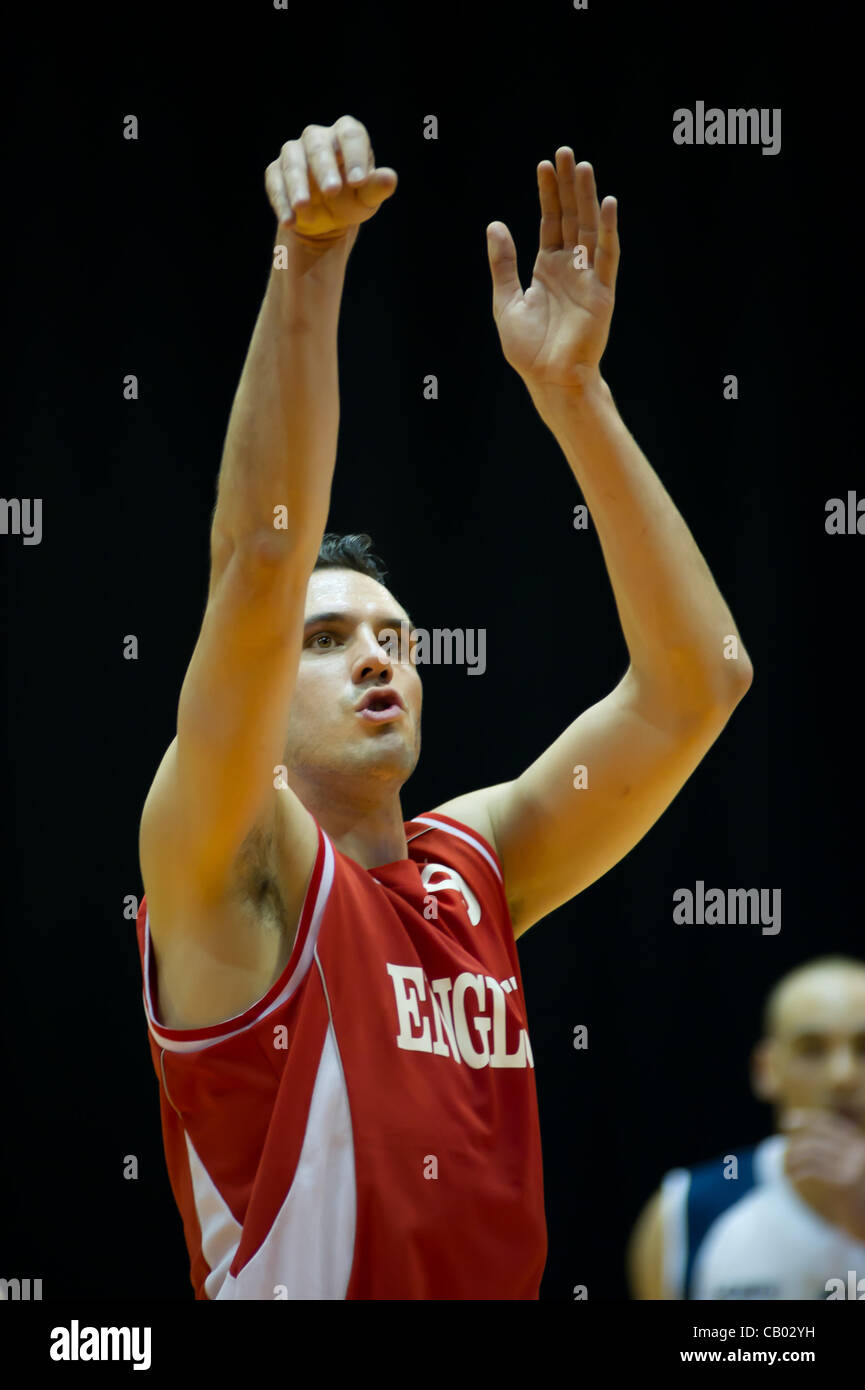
column 686, row 655
column 688, row 666
column 553, row 837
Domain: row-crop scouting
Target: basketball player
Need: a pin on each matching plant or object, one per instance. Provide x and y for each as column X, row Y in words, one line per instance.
column 333, row 993
column 788, row 1221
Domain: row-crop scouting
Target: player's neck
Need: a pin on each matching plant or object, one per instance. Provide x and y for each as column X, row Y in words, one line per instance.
column 371, row 834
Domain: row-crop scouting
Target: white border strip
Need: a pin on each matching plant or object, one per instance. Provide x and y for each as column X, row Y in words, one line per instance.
column 674, row 1225
column 472, row 840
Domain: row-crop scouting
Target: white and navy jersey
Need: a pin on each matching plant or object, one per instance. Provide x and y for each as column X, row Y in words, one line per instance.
column 751, row 1236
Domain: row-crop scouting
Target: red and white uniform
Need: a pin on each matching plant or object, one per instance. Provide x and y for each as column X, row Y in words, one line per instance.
column 369, row 1129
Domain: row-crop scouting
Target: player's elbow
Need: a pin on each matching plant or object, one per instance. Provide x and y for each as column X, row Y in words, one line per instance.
column 742, row 672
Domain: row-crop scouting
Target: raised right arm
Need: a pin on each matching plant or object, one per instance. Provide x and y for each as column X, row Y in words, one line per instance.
column 216, row 781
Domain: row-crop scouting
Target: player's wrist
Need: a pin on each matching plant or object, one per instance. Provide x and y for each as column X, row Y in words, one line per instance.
column 315, row 245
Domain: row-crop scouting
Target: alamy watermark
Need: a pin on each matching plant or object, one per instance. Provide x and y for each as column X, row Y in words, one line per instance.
column 443, row 646
column 15, row 518
column 714, row 908
column 76, row 1343
column 20, row 1290
column 740, row 126
column 854, row 1289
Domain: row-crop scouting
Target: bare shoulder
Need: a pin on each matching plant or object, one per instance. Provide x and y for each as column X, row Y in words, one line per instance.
column 476, row 810
column 645, row 1254
column 216, row 958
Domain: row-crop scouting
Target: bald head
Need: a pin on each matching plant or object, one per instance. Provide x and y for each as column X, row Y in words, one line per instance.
column 817, row 993
column 812, row 1053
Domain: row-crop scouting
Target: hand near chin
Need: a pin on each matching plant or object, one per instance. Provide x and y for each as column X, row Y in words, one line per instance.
column 825, row 1162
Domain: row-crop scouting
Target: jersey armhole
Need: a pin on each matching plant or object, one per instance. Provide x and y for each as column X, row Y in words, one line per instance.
column 289, row 980
column 439, row 821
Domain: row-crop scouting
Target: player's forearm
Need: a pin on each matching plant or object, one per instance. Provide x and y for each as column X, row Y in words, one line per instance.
column 676, row 623
column 280, row 445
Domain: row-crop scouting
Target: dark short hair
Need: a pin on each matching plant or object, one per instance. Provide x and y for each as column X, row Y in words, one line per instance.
column 350, row 552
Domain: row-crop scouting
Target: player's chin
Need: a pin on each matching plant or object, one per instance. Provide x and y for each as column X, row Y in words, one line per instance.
column 398, row 730
column 390, row 741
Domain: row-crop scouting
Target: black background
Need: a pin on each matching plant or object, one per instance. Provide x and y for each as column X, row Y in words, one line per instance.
column 151, row 257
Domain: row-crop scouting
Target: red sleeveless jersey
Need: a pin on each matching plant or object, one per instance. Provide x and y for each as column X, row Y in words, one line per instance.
column 369, row 1129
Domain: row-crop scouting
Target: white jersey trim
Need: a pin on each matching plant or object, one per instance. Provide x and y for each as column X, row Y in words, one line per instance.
column 470, row 839
column 220, row 1232
column 674, row 1226
column 308, row 1253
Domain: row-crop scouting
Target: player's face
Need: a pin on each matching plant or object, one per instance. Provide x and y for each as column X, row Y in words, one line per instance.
column 818, row 1054
column 346, row 653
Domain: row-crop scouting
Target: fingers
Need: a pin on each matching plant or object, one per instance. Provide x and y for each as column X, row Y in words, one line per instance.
column 274, row 183
column 576, row 187
column 570, row 215
column 318, row 143
column 608, row 251
column 550, row 238
column 502, row 256
column 323, row 164
column 589, row 214
column 295, row 189
column 569, row 207
column 377, row 186
column 306, row 165
column 352, row 143
column 837, row 1169
column 823, row 1146
column 811, row 1148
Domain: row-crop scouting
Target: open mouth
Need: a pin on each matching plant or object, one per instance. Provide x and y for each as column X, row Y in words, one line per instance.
column 381, row 708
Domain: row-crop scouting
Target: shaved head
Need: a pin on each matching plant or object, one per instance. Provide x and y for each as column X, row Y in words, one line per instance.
column 815, row 988
column 812, row 1052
